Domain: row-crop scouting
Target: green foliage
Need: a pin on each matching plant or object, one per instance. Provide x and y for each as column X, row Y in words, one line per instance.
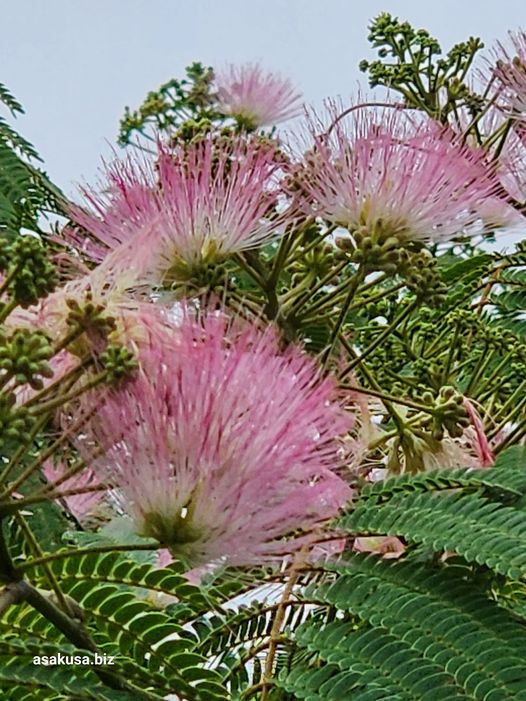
column 183, row 103
column 426, row 627
column 407, row 64
column 25, row 191
column 508, row 292
column 475, row 527
column 118, row 602
column 29, row 273
column 234, row 636
column 19, row 677
column 410, row 631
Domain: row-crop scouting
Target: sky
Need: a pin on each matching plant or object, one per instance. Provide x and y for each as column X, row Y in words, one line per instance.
column 75, row 64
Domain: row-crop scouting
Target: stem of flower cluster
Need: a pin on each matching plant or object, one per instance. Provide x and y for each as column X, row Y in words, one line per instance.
column 68, row 396
column 22, row 449
column 378, row 340
column 354, row 283
column 48, row 572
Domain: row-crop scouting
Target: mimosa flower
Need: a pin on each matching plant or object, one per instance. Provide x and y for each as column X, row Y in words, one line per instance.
column 222, row 447
column 510, row 72
column 256, row 98
column 391, row 177
column 192, row 207
column 103, row 303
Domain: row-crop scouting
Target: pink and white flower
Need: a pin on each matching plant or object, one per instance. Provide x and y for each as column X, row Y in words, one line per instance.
column 223, row 448
column 510, row 72
column 113, row 215
column 111, row 290
column 256, row 98
column 192, row 206
column 385, row 174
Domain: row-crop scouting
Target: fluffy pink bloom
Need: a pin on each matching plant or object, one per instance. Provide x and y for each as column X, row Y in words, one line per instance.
column 388, row 174
column 256, row 98
column 222, row 447
column 510, row 72
column 471, row 450
column 508, row 159
column 125, row 321
column 451, row 453
column 125, row 203
column 191, row 207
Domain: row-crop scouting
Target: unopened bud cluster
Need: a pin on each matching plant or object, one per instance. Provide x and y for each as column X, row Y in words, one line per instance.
column 15, row 421
column 421, row 275
column 377, row 251
column 89, row 316
column 24, row 355
column 24, row 261
column 118, row 361
column 449, row 413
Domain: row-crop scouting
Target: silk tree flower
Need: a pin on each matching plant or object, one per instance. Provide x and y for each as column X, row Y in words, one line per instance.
column 509, row 161
column 450, row 453
column 191, row 207
column 222, row 447
column 256, row 98
column 479, row 441
column 115, row 317
column 471, row 450
column 124, row 203
column 510, row 72
column 391, row 177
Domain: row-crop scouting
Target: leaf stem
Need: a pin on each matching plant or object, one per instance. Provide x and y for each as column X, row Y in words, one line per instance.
column 354, row 283
column 79, row 552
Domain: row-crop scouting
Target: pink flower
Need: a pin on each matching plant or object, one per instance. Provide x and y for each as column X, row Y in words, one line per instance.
column 191, row 207
column 222, row 447
column 256, row 98
column 424, row 453
column 125, row 203
column 510, row 72
column 385, row 175
column 115, row 318
column 508, row 157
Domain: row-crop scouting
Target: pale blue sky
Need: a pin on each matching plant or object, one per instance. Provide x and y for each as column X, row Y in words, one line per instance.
column 75, row 64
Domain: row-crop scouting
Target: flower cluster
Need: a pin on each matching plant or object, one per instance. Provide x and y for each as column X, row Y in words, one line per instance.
column 510, row 73
column 229, row 443
column 389, row 176
column 256, row 98
column 190, row 208
column 223, row 448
